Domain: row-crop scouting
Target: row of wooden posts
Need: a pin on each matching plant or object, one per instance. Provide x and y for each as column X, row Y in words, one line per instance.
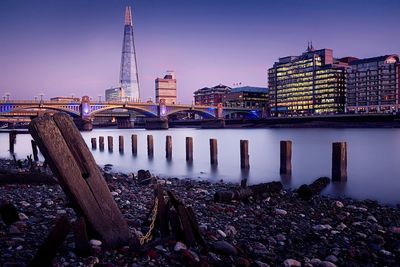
column 339, row 153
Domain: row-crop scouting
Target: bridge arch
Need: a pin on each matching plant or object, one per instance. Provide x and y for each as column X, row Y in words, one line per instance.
column 201, row 112
column 45, row 107
column 253, row 114
column 128, row 107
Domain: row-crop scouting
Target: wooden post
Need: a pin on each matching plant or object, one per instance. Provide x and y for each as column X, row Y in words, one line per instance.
column 101, row 143
column 244, row 154
column 213, row 151
column 82, row 246
column 93, row 141
column 286, row 157
column 150, row 146
column 168, row 147
column 339, row 161
column 110, row 143
column 189, row 149
column 73, row 164
column 34, row 150
column 134, row 144
column 13, row 140
column 121, row 143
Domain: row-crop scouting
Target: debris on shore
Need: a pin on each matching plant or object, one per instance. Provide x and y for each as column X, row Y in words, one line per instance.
column 274, row 227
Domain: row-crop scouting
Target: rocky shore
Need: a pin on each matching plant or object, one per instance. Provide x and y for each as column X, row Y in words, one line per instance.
column 278, row 229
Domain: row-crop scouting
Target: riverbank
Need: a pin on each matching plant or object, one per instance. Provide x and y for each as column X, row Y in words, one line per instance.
column 272, row 230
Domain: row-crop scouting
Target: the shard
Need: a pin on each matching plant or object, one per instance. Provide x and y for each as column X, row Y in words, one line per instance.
column 129, row 78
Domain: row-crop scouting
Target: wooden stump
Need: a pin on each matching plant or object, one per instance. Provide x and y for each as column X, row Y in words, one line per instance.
column 110, row 143
column 12, row 140
column 286, row 157
column 134, row 144
column 168, row 147
column 34, row 151
column 93, row 141
column 244, row 154
column 339, row 161
column 189, row 149
column 150, row 146
column 73, row 164
column 213, row 152
column 121, row 143
column 101, row 143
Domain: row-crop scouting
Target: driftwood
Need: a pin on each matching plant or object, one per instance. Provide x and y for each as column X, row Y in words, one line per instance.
column 9, row 213
column 73, row 164
column 26, row 178
column 244, row 193
column 82, row 246
column 306, row 192
column 48, row 250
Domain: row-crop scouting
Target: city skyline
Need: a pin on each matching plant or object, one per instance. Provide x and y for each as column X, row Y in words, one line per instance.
column 74, row 47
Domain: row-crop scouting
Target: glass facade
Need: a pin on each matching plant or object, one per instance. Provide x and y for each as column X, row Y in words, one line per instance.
column 373, row 85
column 313, row 83
column 129, row 78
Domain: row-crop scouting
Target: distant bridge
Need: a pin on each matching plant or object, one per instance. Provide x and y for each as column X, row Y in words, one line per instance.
column 86, row 109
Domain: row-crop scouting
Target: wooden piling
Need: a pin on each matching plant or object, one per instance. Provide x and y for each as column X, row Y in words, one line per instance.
column 34, row 150
column 150, row 146
column 213, row 151
column 134, row 144
column 244, row 154
column 101, row 143
column 189, row 149
column 93, row 141
column 121, row 143
column 339, row 161
column 168, row 147
column 12, row 140
column 286, row 157
column 110, row 143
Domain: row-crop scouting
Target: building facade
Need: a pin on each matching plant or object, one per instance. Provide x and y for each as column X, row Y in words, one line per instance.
column 312, row 83
column 247, row 97
column 129, row 77
column 115, row 94
column 373, row 85
column 166, row 88
column 211, row 96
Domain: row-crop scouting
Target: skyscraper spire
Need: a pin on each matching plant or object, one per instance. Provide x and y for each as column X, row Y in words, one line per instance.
column 129, row 78
column 128, row 16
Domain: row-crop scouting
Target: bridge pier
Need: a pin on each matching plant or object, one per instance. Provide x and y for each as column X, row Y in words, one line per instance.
column 156, row 124
column 125, row 123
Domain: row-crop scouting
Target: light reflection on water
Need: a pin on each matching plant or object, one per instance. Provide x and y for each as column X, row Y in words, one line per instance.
column 373, row 167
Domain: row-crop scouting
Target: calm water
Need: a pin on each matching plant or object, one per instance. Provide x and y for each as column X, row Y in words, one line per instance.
column 373, row 156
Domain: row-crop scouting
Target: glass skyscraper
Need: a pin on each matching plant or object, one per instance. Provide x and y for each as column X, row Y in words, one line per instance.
column 129, row 78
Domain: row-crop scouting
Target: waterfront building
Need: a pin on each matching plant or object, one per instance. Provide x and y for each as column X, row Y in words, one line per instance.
column 115, row 94
column 129, row 78
column 211, row 96
column 166, row 88
column 373, row 85
column 247, row 97
column 312, row 83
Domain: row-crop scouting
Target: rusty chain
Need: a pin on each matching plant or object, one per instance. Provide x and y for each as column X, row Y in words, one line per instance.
column 147, row 237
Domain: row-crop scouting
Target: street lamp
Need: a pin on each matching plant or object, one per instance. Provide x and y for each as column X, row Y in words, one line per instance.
column 8, row 96
column 41, row 96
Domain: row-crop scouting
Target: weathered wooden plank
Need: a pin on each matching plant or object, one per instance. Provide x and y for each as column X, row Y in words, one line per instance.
column 339, row 161
column 244, row 154
column 213, row 151
column 82, row 246
column 80, row 177
column 189, row 149
column 134, row 144
column 162, row 216
column 286, row 157
column 49, row 248
column 168, row 147
column 26, row 178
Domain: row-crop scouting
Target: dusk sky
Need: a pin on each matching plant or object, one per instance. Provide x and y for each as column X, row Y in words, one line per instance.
column 74, row 46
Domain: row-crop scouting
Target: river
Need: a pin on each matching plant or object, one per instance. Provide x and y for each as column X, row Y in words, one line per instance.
column 373, row 154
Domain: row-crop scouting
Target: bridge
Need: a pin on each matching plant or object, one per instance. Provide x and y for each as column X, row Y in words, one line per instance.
column 84, row 111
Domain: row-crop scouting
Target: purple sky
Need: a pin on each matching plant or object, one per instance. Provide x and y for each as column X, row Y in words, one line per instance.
column 73, row 46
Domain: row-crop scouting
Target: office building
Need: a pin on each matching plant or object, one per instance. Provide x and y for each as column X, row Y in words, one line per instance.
column 312, row 83
column 211, row 96
column 166, row 88
column 247, row 97
column 115, row 94
column 373, row 85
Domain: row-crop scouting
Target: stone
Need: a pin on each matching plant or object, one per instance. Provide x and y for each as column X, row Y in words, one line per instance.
column 221, row 233
column 332, row 258
column 291, row 263
column 304, row 192
column 315, row 262
column 280, row 212
column 230, row 231
column 339, row 204
column 223, row 247
column 321, row 227
column 327, row 264
column 179, row 246
column 372, row 219
column 395, row 230
column 95, row 242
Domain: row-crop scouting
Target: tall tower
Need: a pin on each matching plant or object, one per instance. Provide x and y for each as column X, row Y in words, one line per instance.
column 129, row 78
